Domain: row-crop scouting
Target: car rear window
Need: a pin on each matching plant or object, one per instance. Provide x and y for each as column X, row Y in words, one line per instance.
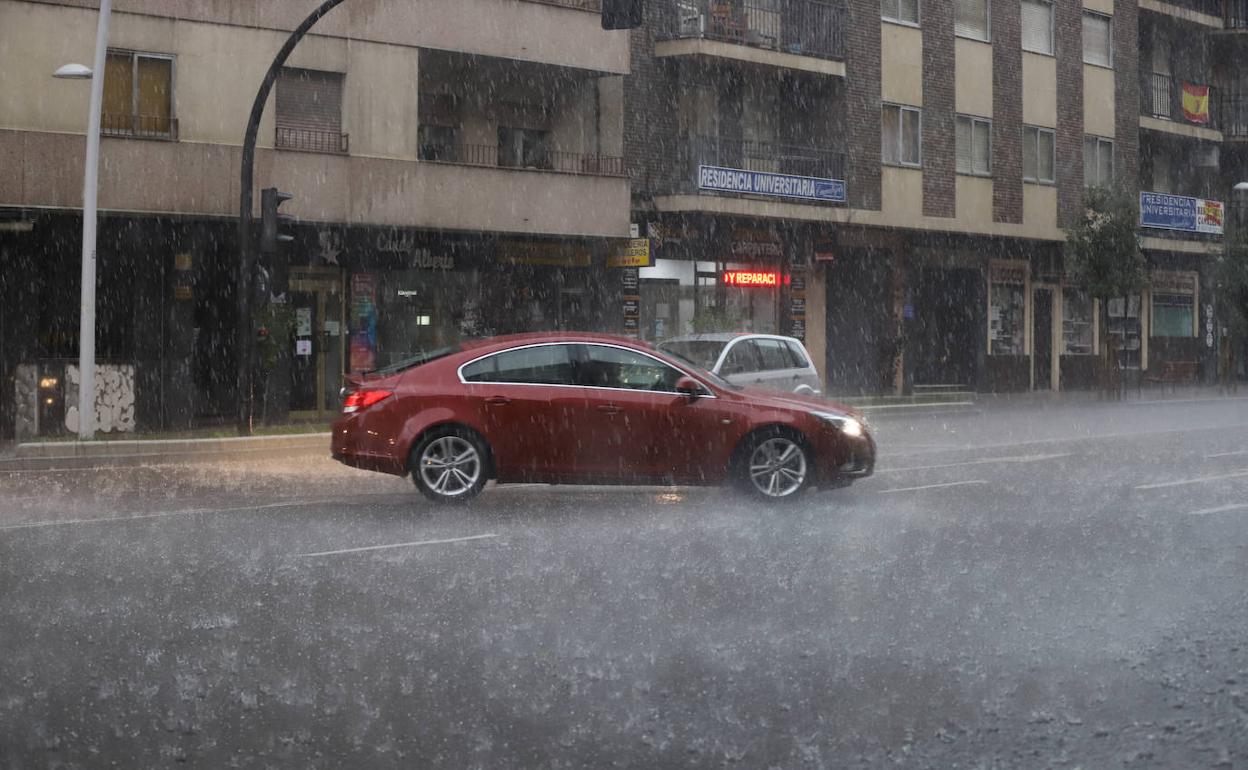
column 703, row 353
column 420, row 359
column 537, row 365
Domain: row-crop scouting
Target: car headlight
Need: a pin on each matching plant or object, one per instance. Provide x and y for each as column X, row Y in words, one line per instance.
column 847, row 425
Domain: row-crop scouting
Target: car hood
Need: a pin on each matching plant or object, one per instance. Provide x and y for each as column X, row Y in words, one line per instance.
column 798, row 401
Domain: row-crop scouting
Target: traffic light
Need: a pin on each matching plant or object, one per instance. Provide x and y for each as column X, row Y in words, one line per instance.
column 271, row 220
column 621, row 14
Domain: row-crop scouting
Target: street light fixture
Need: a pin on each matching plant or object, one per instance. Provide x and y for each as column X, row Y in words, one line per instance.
column 90, row 188
column 1241, row 187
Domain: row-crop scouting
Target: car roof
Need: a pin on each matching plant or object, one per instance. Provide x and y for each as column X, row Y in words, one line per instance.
column 726, row 336
column 537, row 338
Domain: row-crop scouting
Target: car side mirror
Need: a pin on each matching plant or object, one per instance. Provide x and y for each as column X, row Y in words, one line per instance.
column 688, row 387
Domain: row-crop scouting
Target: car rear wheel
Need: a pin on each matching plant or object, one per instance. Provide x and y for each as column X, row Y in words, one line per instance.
column 775, row 466
column 449, row 465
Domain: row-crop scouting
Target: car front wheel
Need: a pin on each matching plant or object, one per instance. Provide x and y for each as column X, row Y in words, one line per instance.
column 449, row 465
column 775, row 466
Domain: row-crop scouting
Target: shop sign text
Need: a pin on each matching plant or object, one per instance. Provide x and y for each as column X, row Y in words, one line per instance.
column 634, row 253
column 736, row 180
column 747, row 278
column 1179, row 212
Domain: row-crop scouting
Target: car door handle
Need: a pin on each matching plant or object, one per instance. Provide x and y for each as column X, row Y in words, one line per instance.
column 608, row 408
column 498, row 400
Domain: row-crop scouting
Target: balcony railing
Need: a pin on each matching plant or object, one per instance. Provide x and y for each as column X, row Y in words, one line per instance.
column 310, row 140
column 139, row 126
column 536, row 160
column 751, row 155
column 1233, row 115
column 1235, row 14
column 1207, row 7
column 1162, row 97
column 805, row 27
column 584, row 5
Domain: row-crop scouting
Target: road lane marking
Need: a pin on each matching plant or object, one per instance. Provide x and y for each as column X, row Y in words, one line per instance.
column 982, row 461
column 886, row 439
column 1227, row 454
column 160, row 515
column 933, row 486
column 1219, row 509
column 1200, row 480
column 399, row 545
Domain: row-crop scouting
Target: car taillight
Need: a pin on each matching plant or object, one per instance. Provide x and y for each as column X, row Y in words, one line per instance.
column 362, row 399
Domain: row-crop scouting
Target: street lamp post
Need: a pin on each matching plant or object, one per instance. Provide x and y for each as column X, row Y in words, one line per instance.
column 90, row 188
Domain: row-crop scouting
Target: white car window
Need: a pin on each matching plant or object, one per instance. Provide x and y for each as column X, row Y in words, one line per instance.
column 742, row 358
column 774, row 354
column 799, row 355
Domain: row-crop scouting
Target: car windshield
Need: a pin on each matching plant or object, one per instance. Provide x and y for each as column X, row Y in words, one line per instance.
column 703, row 353
column 700, row 370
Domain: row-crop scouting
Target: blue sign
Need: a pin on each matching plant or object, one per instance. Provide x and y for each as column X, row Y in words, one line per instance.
column 1178, row 212
column 737, row 180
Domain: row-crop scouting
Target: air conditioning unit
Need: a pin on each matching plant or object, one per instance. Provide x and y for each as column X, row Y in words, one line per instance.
column 693, row 25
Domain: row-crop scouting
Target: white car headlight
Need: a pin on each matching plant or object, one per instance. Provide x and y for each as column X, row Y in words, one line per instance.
column 847, row 425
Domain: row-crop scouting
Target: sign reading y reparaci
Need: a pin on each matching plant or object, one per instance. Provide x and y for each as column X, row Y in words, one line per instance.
column 1179, row 212
column 738, row 180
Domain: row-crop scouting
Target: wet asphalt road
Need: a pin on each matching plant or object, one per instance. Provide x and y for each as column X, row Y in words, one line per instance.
column 1026, row 587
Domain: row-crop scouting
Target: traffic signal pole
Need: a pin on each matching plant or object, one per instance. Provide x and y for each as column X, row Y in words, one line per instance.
column 245, row 355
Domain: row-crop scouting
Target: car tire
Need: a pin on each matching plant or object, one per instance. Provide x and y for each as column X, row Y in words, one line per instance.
column 450, row 465
column 775, row 465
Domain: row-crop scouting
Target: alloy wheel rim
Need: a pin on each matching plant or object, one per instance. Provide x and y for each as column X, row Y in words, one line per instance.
column 778, row 467
column 450, row 466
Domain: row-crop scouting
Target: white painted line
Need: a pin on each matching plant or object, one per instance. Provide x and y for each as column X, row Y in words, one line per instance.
column 983, row 461
column 1227, row 454
column 160, row 515
column 933, row 486
column 399, row 545
column 1220, row 509
column 1200, row 480
column 1072, row 439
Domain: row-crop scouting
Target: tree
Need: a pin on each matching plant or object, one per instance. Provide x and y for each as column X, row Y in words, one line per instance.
column 1231, row 275
column 1103, row 257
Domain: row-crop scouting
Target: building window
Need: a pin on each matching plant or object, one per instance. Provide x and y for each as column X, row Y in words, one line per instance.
column 1098, row 41
column 903, row 11
column 523, row 148
column 974, row 146
column 1078, row 329
column 1037, row 26
column 1038, row 159
column 309, row 111
column 901, row 135
column 1007, row 309
column 1162, row 179
column 439, row 143
column 1098, row 162
column 1174, row 304
column 971, row 19
column 1123, row 324
column 138, row 95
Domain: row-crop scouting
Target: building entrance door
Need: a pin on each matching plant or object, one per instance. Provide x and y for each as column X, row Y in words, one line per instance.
column 1042, row 338
column 946, row 325
column 317, row 341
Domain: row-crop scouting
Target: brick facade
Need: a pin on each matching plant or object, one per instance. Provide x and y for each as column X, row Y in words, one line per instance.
column 650, row 111
column 1007, row 113
column 1126, row 96
column 939, row 135
column 1068, row 27
column 862, row 104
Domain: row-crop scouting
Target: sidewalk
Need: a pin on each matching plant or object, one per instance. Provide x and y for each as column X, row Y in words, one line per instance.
column 42, row 455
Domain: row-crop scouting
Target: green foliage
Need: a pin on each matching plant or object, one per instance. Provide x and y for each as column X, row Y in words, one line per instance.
column 1231, row 273
column 279, row 320
column 716, row 319
column 1103, row 250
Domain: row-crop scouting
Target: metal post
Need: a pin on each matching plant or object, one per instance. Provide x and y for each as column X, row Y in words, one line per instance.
column 90, row 188
column 246, row 251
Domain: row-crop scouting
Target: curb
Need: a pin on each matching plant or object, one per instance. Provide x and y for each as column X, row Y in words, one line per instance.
column 87, row 454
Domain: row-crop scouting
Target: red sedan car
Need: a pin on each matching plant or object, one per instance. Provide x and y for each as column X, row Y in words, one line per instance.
column 589, row 409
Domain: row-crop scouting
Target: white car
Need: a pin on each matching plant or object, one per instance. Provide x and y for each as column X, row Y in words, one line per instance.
column 754, row 360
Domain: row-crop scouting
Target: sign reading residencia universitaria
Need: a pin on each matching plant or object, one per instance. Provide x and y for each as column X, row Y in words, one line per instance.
column 738, row 180
column 1179, row 212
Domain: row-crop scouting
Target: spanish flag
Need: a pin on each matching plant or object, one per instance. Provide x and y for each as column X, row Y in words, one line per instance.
column 1196, row 103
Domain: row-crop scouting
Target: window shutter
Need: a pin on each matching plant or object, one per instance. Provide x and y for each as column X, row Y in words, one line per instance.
column 964, row 150
column 1105, row 162
column 1029, row 153
column 982, row 147
column 971, row 19
column 890, row 134
column 1096, row 39
column 1089, row 162
column 1037, row 26
column 910, row 11
column 912, row 137
column 309, row 100
column 1044, row 151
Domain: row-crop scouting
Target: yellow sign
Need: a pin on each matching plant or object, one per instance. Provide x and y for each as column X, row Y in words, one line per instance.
column 634, row 253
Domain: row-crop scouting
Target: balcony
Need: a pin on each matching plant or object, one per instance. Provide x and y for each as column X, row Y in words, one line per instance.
column 537, row 159
column 139, row 126
column 1161, row 98
column 1235, row 14
column 310, row 140
column 751, row 155
column 809, row 28
column 583, row 5
column 1233, row 114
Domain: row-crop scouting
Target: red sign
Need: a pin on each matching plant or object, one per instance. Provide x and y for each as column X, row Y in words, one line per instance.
column 766, row 278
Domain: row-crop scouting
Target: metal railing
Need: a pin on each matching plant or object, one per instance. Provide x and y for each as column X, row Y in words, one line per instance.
column 1235, row 14
column 584, row 5
column 1233, row 115
column 311, row 140
column 537, row 160
column 805, row 27
column 1207, row 7
column 751, row 155
column 139, row 126
column 1162, row 97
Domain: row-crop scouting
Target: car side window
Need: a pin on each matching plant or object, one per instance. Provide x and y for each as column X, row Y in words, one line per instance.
column 742, row 358
column 539, row 365
column 774, row 354
column 608, row 367
column 799, row 356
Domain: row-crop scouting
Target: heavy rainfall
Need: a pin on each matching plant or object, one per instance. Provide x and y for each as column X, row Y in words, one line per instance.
column 624, row 383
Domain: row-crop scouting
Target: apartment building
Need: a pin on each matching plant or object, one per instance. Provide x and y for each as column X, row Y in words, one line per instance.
column 893, row 178
column 456, row 168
